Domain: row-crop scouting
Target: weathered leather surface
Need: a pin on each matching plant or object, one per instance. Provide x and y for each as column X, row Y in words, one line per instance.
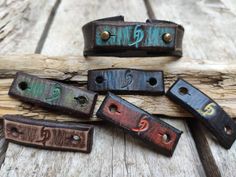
column 205, row 110
column 53, row 95
column 126, row 81
column 140, row 124
column 48, row 134
column 132, row 38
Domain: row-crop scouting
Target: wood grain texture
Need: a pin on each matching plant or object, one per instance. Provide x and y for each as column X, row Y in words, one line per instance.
column 21, row 25
column 209, row 35
column 210, row 38
column 118, row 154
column 3, row 144
column 216, row 79
column 70, row 37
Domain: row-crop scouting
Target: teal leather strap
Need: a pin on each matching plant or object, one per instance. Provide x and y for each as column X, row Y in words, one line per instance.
column 114, row 37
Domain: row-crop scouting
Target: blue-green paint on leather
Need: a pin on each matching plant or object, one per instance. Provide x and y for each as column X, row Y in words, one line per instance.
column 124, row 36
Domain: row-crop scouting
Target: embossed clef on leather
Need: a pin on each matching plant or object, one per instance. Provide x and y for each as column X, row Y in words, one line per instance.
column 114, row 37
column 48, row 134
column 206, row 110
column 152, row 130
column 53, row 95
column 126, row 81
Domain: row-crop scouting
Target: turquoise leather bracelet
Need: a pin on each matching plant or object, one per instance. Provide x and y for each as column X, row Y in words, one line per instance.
column 114, row 37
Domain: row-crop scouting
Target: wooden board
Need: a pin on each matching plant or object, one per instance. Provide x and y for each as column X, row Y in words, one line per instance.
column 114, row 153
column 3, row 144
column 210, row 38
column 217, row 80
column 21, row 25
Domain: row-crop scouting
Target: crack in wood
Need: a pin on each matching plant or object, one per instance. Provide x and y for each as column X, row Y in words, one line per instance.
column 204, row 151
column 47, row 27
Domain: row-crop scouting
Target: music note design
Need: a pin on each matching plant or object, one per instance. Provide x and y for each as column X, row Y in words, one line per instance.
column 138, row 35
column 55, row 93
column 128, row 79
column 208, row 110
column 45, row 134
column 143, row 125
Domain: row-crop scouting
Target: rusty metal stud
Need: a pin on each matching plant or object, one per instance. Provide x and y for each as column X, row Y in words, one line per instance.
column 105, row 35
column 167, row 37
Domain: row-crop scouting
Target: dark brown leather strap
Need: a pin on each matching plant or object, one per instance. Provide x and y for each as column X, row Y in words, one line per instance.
column 114, row 37
column 48, row 134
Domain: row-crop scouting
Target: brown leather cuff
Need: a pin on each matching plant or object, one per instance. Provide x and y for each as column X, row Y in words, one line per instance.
column 114, row 37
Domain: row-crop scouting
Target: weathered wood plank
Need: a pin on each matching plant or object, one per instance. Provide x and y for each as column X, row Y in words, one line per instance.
column 218, row 80
column 22, row 23
column 209, row 37
column 114, row 154
column 21, row 26
column 3, row 144
column 208, row 26
column 68, row 39
column 117, row 153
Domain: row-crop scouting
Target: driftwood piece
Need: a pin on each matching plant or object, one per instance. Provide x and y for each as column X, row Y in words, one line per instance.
column 216, row 79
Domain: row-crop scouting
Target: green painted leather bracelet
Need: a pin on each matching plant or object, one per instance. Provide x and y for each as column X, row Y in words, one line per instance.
column 114, row 37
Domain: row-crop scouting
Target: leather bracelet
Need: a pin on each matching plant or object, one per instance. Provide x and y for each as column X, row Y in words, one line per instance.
column 114, row 37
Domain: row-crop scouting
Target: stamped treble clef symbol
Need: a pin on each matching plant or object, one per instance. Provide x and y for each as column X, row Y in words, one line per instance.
column 208, row 110
column 143, row 125
column 128, row 79
column 55, row 93
column 138, row 35
column 45, row 134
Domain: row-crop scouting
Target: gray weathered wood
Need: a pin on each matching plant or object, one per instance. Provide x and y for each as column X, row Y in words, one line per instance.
column 209, row 37
column 209, row 33
column 202, row 75
column 21, row 26
column 3, row 144
column 114, row 153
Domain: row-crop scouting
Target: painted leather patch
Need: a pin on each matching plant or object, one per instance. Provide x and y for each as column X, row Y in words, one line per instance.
column 53, row 95
column 139, row 123
column 113, row 36
column 48, row 134
column 206, row 110
column 135, row 36
column 126, row 81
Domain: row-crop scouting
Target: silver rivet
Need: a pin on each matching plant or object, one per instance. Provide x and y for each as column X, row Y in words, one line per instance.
column 76, row 137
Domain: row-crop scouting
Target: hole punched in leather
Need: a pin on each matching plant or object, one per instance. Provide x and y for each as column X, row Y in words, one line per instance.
column 205, row 110
column 152, row 130
column 126, row 81
column 53, row 95
column 48, row 134
column 114, row 37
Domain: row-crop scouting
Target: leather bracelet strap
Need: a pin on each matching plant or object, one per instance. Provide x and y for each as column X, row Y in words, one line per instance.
column 114, row 37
